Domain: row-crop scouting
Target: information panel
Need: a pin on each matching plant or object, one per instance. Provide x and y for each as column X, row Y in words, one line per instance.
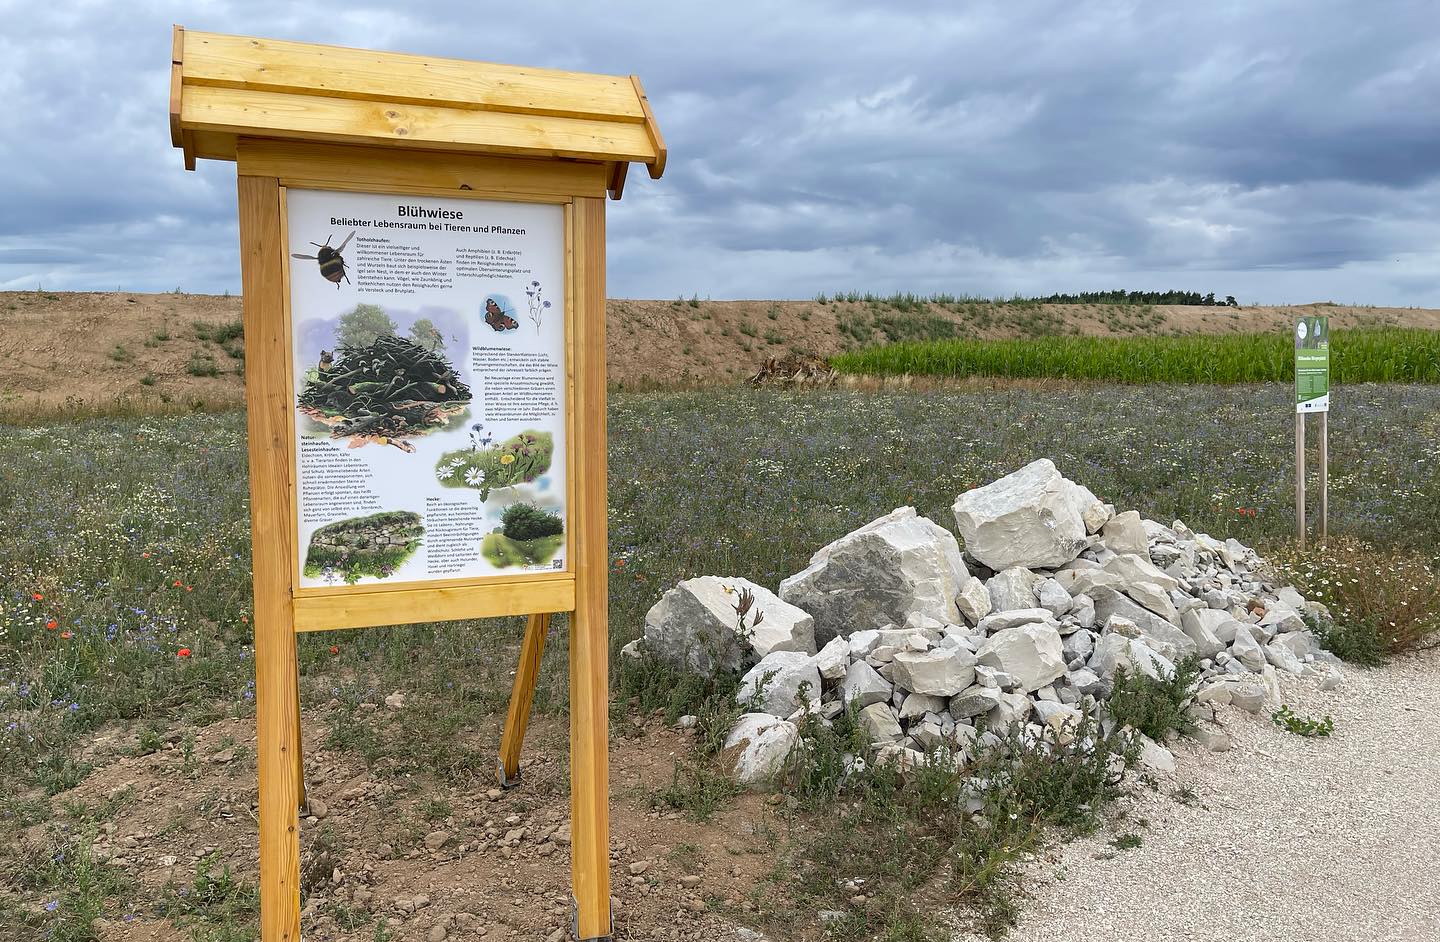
column 1312, row 364
column 429, row 356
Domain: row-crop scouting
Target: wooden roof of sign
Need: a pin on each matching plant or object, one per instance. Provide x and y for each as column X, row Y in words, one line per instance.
column 224, row 87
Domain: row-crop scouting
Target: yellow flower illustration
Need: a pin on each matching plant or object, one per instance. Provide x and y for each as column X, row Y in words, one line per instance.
column 507, row 459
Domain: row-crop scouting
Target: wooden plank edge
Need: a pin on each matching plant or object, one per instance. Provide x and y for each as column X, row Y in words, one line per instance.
column 616, row 184
column 218, row 112
column 652, row 128
column 517, row 77
column 418, row 606
column 177, row 54
column 455, row 104
column 310, row 165
column 494, row 584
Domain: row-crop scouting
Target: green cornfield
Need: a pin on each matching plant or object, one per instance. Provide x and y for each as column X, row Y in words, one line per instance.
column 1378, row 355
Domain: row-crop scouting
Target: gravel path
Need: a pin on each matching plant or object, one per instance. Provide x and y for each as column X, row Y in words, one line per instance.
column 1291, row 839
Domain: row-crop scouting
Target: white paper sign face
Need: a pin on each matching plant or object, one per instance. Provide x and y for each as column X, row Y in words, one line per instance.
column 429, row 355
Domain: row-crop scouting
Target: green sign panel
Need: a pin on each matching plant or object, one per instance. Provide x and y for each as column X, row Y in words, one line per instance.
column 1312, row 364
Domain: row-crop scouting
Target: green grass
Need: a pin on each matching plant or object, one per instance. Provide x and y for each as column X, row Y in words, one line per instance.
column 503, row 552
column 1357, row 356
column 222, row 334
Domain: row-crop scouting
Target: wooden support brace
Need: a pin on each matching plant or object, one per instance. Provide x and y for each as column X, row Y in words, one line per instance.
column 1300, row 478
column 1324, row 481
column 522, row 695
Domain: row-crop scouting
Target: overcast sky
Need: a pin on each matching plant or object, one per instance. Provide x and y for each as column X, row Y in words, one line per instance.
column 1281, row 152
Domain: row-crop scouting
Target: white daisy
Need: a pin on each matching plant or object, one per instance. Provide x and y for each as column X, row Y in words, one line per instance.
column 475, row 477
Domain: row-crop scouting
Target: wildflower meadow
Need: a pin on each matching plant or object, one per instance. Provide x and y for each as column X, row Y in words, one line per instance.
column 125, row 561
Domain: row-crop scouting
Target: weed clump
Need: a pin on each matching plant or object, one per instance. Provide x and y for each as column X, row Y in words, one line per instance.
column 1155, row 707
column 1306, row 726
column 1381, row 600
column 892, row 827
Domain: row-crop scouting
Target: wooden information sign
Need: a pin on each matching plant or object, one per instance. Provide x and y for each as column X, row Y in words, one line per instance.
column 423, row 256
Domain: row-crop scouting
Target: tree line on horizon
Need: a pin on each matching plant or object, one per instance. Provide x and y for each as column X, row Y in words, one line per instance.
column 909, row 301
column 1140, row 297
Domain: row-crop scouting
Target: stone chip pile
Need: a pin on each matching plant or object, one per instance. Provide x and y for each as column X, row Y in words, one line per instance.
column 936, row 646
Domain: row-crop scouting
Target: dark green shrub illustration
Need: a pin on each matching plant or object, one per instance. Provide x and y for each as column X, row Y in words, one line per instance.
column 375, row 546
column 528, row 522
column 528, row 536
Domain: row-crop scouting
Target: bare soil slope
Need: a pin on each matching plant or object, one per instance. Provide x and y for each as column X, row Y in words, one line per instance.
column 78, row 351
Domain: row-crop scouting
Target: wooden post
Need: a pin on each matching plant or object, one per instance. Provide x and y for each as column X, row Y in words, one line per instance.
column 1324, row 475
column 299, row 744
column 589, row 631
column 1300, row 478
column 276, row 689
column 522, row 695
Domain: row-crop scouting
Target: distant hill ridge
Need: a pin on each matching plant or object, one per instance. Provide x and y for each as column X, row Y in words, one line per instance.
column 85, row 351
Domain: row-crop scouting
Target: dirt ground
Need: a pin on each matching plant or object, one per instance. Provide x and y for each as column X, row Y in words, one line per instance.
column 99, row 351
column 413, row 855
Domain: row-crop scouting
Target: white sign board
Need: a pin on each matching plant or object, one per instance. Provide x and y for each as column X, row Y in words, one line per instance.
column 428, row 348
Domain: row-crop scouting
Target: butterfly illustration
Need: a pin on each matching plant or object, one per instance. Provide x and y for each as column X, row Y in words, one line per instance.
column 497, row 318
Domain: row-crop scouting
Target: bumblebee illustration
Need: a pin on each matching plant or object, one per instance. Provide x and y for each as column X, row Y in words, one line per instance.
column 332, row 264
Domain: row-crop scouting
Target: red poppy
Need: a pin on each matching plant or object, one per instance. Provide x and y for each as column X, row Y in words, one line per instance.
column 178, row 583
column 65, row 634
column 37, row 596
column 183, row 652
column 144, row 555
column 189, row 588
column 334, row 649
column 620, row 563
column 245, row 619
column 51, row 625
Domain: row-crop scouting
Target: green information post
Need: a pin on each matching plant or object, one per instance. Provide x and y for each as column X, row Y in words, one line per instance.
column 1312, row 394
column 1312, row 364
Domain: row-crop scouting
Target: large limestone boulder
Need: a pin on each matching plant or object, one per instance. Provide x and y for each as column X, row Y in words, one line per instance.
column 1131, row 569
column 758, row 745
column 1012, row 589
column 1117, row 651
column 863, row 685
column 1031, row 518
column 943, row 672
column 695, row 625
column 880, row 574
column 1033, row 655
column 1162, row 635
column 774, row 685
column 1125, row 535
column 973, row 600
column 1200, row 625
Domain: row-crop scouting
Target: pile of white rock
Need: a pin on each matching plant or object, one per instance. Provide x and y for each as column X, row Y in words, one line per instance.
column 936, row 648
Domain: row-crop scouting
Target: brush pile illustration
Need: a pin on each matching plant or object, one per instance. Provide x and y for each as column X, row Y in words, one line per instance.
column 384, row 392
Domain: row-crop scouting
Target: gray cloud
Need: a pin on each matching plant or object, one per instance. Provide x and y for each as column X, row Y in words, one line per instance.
column 1280, row 151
